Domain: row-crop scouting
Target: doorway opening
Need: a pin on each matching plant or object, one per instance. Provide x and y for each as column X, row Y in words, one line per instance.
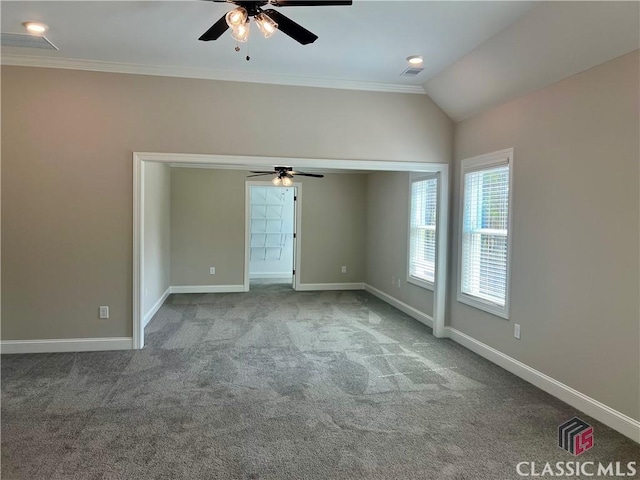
column 271, row 236
column 140, row 284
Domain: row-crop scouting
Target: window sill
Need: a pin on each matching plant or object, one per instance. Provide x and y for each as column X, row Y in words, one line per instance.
column 420, row 283
column 480, row 304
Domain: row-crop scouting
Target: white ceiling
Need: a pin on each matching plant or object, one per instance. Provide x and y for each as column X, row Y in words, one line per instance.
column 477, row 54
column 554, row 41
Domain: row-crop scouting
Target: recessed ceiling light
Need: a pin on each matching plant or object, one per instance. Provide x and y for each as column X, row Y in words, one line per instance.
column 415, row 59
column 35, row 27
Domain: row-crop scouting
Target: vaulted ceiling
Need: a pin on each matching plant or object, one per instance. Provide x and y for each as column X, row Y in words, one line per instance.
column 476, row 54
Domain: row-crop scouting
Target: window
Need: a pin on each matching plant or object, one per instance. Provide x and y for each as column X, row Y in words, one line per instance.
column 484, row 242
column 422, row 230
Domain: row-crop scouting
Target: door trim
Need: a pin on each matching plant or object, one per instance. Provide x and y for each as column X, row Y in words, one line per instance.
column 247, row 229
column 256, row 162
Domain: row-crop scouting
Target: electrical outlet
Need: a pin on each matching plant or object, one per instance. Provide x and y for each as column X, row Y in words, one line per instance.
column 212, row 270
column 398, row 283
column 344, row 269
column 516, row 331
column 393, row 280
column 104, row 311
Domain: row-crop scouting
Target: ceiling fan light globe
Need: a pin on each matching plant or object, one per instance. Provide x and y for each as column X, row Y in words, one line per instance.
column 286, row 181
column 277, row 181
column 266, row 25
column 241, row 33
column 236, row 17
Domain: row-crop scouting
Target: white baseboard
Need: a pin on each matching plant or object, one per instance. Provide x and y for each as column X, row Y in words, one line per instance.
column 601, row 412
column 408, row 309
column 311, row 287
column 66, row 345
column 208, row 289
column 155, row 307
column 271, row 275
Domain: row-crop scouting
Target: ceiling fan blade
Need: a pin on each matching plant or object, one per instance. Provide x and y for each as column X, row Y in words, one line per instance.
column 316, row 175
column 215, row 31
column 260, row 174
column 263, row 172
column 309, row 3
column 291, row 28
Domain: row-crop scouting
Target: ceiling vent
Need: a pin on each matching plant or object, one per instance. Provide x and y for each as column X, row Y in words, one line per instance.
column 411, row 71
column 27, row 41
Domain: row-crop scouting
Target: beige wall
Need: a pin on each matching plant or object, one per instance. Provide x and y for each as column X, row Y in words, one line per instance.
column 575, row 231
column 157, row 232
column 207, row 228
column 333, row 228
column 67, row 143
column 387, row 239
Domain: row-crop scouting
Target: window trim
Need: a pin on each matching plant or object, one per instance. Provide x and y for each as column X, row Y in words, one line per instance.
column 416, row 177
column 482, row 162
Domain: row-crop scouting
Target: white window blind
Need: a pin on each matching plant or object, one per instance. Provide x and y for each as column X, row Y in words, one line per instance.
column 484, row 240
column 485, row 234
column 422, row 230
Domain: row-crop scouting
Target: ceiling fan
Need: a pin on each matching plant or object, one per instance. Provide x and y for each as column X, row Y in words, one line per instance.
column 284, row 175
column 268, row 21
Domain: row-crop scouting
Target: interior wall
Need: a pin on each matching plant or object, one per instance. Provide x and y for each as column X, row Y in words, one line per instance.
column 207, row 226
column 387, row 239
column 67, row 142
column 208, row 222
column 575, row 245
column 157, row 232
column 333, row 228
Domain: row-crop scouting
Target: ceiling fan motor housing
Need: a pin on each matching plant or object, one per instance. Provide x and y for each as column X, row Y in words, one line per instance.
column 284, row 171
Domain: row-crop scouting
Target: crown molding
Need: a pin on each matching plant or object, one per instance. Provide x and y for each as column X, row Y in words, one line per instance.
column 204, row 73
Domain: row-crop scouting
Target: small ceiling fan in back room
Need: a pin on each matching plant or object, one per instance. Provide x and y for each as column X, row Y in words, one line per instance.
column 284, row 175
column 268, row 21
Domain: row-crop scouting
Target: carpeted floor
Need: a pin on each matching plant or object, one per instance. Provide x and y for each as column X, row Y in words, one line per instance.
column 277, row 384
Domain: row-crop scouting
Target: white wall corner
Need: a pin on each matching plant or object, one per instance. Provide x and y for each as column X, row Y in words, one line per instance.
column 66, row 345
column 408, row 309
column 601, row 412
column 154, row 309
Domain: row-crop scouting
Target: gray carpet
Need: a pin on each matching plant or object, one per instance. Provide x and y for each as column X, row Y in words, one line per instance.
column 276, row 384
